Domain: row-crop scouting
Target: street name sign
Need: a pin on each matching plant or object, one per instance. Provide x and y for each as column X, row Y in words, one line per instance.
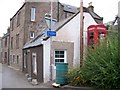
column 51, row 33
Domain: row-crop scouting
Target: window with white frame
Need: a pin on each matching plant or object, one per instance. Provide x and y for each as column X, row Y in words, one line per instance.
column 32, row 14
column 60, row 56
column 34, row 63
column 32, row 34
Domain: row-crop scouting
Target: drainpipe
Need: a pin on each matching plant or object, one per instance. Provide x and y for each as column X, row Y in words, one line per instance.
column 58, row 12
column 81, row 32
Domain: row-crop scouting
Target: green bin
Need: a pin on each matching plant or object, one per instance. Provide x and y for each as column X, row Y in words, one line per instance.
column 61, row 70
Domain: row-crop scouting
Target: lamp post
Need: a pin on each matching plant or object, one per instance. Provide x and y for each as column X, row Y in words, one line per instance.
column 50, row 23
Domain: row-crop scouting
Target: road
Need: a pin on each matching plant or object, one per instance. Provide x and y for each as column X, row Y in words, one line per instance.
column 11, row 78
column 16, row 79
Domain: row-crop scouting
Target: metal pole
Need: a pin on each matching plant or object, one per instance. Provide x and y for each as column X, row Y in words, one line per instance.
column 81, row 32
column 51, row 44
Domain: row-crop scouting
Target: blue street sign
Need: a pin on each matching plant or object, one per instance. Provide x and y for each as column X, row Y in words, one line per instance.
column 51, row 33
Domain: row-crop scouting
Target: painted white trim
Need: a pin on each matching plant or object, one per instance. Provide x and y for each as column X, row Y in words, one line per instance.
column 65, row 55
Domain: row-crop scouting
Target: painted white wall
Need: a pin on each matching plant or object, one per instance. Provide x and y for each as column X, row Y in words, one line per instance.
column 71, row 33
column 46, row 60
column 119, row 9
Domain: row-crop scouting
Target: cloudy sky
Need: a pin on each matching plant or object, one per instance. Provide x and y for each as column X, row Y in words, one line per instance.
column 105, row 8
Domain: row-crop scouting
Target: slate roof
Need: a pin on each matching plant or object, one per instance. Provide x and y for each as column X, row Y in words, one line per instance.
column 69, row 8
column 5, row 35
column 38, row 40
column 35, row 42
column 94, row 15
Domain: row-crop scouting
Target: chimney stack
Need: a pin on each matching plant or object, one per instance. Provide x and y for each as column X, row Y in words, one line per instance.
column 91, row 7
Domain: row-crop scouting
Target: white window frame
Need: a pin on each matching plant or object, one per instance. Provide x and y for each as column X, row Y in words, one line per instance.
column 33, row 14
column 65, row 56
column 34, row 63
column 31, row 34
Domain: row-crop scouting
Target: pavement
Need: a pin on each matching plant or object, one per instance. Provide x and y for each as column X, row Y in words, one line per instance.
column 12, row 78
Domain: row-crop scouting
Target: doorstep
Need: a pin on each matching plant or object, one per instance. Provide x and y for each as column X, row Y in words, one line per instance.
column 77, row 88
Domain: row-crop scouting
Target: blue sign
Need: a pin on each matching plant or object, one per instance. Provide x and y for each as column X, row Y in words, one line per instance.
column 51, row 33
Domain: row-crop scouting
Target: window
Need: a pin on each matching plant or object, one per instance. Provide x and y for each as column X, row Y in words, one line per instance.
column 32, row 34
column 11, row 42
column 12, row 24
column 33, row 14
column 18, row 19
column 25, row 60
column 13, row 58
column 5, row 57
column 17, row 59
column 17, row 41
column 60, row 56
column 34, row 63
column 5, row 42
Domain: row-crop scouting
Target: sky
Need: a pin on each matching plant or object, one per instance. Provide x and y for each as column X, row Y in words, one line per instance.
column 107, row 9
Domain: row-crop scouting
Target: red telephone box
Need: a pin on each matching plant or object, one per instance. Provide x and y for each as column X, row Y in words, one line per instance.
column 95, row 34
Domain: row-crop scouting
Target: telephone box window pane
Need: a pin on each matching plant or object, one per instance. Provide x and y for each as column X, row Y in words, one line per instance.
column 91, row 35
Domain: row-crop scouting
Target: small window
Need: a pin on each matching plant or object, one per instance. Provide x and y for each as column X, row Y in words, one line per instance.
column 13, row 58
column 12, row 24
column 34, row 63
column 17, row 59
column 17, row 41
column 6, row 42
column 60, row 56
column 5, row 57
column 11, row 42
column 33, row 14
column 32, row 34
column 18, row 19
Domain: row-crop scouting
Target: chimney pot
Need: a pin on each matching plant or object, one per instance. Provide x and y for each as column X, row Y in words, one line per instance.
column 91, row 7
